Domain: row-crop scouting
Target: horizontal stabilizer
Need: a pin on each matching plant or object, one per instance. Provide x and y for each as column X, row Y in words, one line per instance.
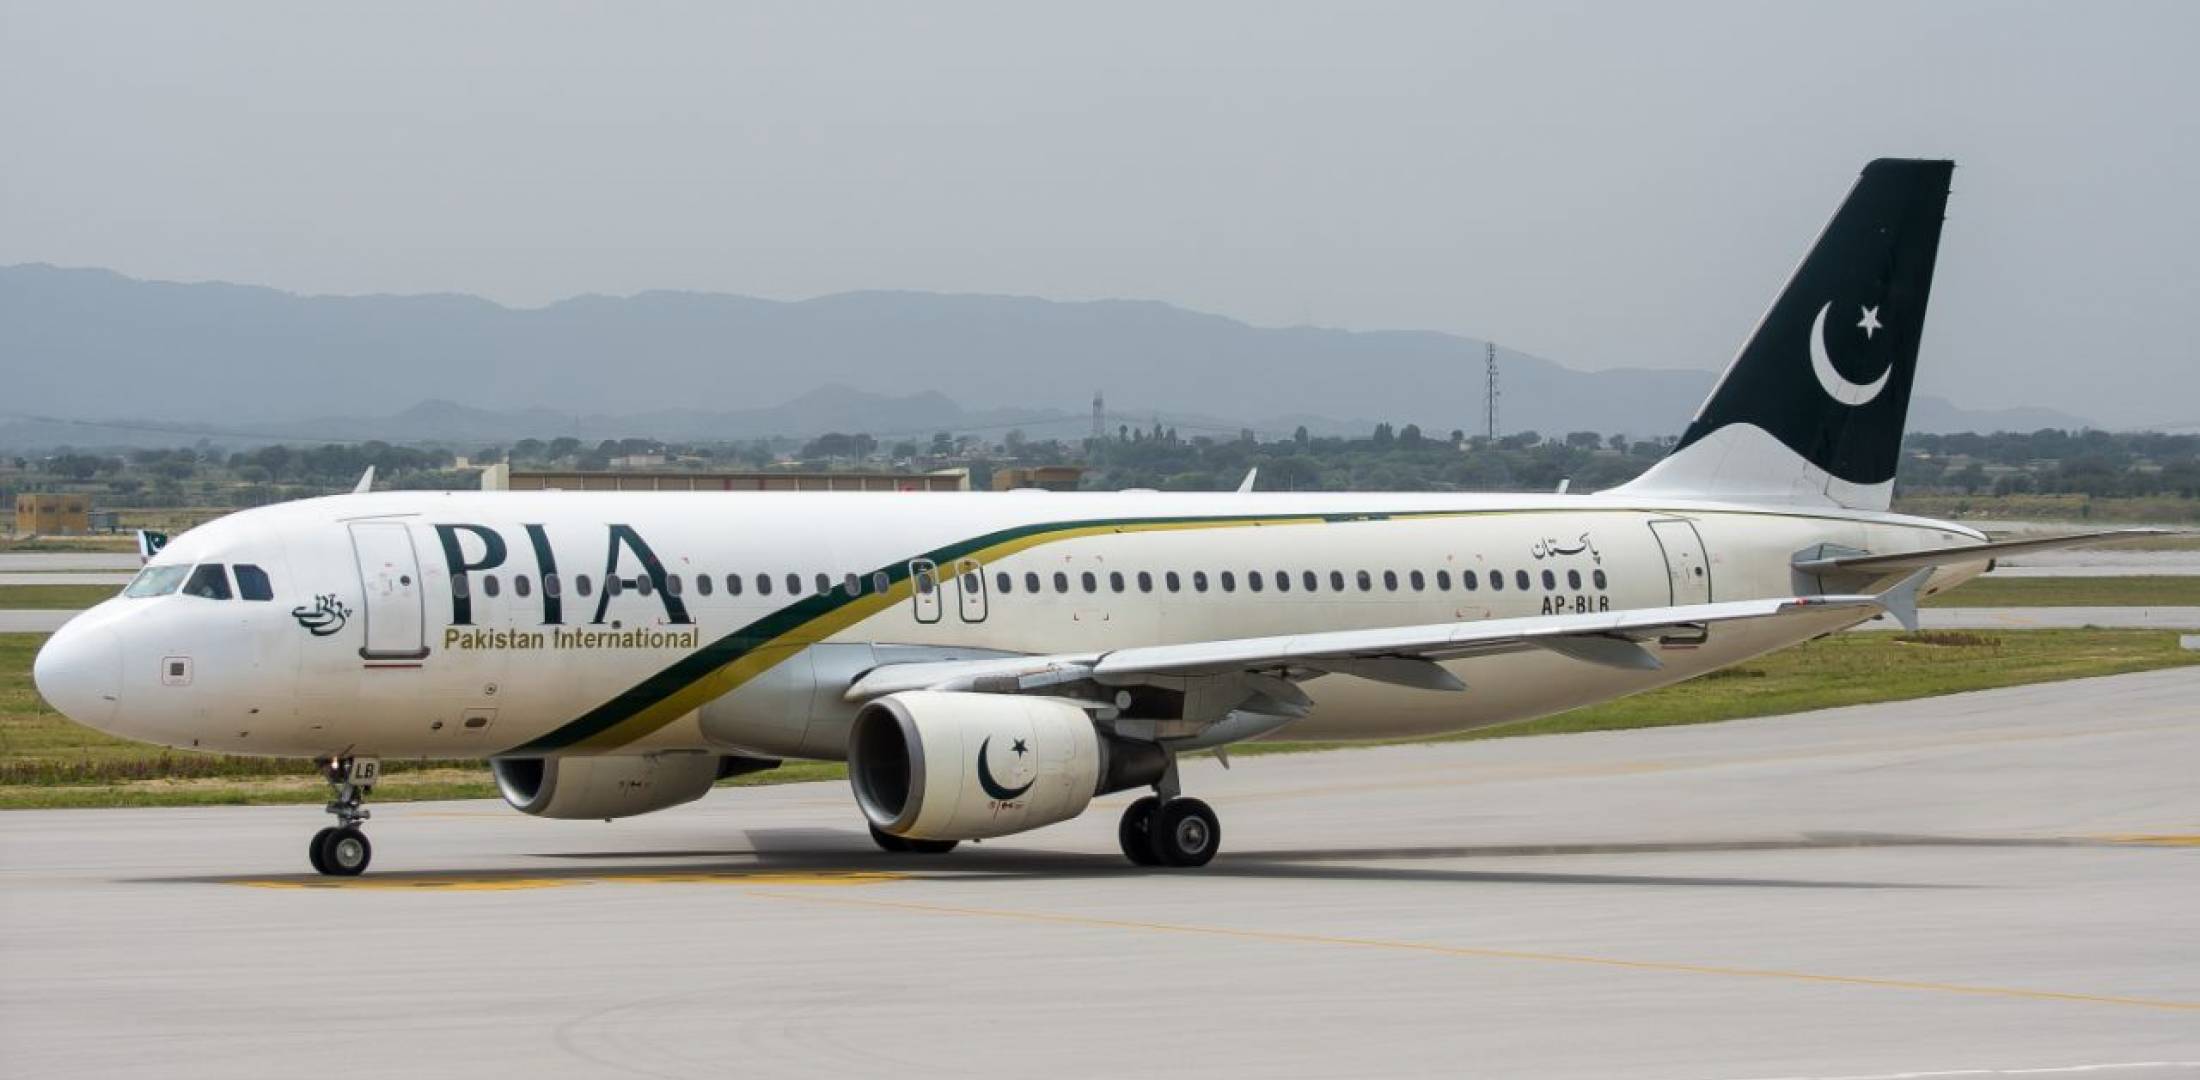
column 1973, row 553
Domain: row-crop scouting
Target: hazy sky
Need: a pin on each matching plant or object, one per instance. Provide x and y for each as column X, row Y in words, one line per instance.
column 1605, row 185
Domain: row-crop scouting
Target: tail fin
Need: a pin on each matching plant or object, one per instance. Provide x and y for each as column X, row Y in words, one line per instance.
column 1811, row 411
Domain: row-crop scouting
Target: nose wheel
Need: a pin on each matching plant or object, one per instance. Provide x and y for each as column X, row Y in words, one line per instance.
column 342, row 850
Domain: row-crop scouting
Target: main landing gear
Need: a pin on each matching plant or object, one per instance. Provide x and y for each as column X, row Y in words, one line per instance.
column 1165, row 829
column 341, row 850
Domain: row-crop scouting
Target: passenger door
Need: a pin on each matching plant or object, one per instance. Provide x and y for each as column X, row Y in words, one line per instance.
column 1687, row 569
column 389, row 581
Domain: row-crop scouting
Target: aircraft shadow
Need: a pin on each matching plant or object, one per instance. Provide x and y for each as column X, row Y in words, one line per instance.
column 829, row 851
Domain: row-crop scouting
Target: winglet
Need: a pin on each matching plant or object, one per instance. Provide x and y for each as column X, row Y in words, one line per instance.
column 1246, row 484
column 366, row 482
column 1901, row 601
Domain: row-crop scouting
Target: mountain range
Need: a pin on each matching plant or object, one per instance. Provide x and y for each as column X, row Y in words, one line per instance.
column 151, row 361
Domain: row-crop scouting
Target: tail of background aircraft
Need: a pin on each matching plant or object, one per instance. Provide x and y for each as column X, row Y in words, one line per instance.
column 1811, row 411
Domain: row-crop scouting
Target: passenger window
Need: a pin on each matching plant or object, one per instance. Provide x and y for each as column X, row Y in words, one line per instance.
column 1003, row 584
column 1443, row 580
column 972, row 582
column 459, row 589
column 1390, row 580
column 1310, row 581
column 1550, row 580
column 1229, row 581
column 703, row 584
column 551, row 585
column 1199, row 581
column 1573, row 579
column 1145, row 581
column 252, row 583
column 794, row 584
column 733, row 584
column 1367, row 581
column 763, row 584
column 1091, row 583
column 1031, row 582
column 1336, row 581
column 156, row 581
column 1252, row 580
column 1061, row 582
column 1470, row 580
column 645, row 584
column 852, row 584
column 1115, row 580
column 614, row 585
column 1283, row 581
column 1417, row 580
column 1497, row 581
column 1175, row 584
column 824, row 584
column 880, row 582
column 673, row 584
column 1597, row 576
column 582, row 585
column 925, row 584
column 489, row 585
column 1520, row 578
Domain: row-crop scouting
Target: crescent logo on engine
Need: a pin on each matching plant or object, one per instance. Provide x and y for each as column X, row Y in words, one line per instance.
column 993, row 787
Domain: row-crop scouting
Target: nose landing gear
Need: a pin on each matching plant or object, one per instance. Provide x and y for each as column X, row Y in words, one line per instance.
column 342, row 850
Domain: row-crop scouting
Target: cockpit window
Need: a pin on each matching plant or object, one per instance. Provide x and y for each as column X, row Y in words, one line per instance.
column 252, row 583
column 156, row 581
column 209, row 580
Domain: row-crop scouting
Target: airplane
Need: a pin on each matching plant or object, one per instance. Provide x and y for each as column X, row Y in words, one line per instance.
column 989, row 663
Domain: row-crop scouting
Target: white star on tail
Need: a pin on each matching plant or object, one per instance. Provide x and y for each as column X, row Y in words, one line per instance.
column 1869, row 322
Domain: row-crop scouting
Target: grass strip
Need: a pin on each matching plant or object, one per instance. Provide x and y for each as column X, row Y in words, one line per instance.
column 48, row 761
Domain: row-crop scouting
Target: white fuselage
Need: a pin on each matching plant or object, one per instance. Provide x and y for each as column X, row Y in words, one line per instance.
column 371, row 645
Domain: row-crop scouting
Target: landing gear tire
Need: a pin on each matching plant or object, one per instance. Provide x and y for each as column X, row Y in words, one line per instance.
column 1185, row 833
column 1136, row 832
column 344, row 852
column 313, row 850
column 904, row 845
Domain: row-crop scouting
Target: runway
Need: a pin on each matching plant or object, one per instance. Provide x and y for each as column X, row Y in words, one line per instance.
column 2003, row 880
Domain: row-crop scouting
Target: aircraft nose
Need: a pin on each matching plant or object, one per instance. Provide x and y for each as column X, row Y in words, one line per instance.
column 79, row 672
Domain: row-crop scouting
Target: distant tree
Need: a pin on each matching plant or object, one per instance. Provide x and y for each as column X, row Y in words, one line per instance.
column 1584, row 440
column 1410, row 438
column 905, row 450
column 1300, row 436
column 1617, row 442
column 1384, row 437
column 943, row 443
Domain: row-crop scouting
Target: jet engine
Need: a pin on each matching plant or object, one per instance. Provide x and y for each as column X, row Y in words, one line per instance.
column 611, row 787
column 945, row 765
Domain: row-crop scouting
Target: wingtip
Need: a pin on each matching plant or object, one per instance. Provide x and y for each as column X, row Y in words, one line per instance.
column 1901, row 600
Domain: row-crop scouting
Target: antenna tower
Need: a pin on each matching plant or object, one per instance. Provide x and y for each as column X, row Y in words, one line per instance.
column 1489, row 389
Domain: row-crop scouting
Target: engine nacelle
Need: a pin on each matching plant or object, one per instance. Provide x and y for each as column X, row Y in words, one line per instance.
column 611, row 787
column 942, row 765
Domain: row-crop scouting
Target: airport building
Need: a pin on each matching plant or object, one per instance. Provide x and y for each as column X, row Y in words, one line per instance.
column 506, row 478
column 53, row 514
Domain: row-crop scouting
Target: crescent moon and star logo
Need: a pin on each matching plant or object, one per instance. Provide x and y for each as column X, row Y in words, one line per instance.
column 993, row 787
column 1836, row 386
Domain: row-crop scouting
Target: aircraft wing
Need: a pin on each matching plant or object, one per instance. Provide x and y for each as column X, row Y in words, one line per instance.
column 1931, row 557
column 1404, row 655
